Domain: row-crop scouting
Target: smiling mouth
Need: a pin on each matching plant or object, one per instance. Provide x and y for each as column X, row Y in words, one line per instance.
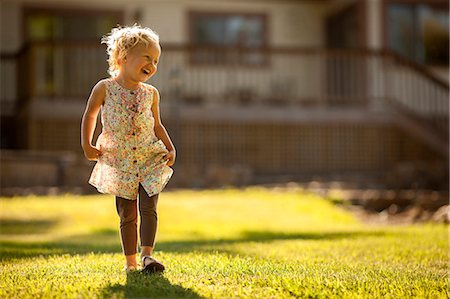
column 145, row 71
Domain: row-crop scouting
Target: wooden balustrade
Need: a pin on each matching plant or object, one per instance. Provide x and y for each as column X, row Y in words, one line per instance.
column 321, row 78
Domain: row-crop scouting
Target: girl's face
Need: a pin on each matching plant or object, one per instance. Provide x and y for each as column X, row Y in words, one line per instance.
column 141, row 62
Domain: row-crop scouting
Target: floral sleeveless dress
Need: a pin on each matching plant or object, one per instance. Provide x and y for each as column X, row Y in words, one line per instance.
column 131, row 152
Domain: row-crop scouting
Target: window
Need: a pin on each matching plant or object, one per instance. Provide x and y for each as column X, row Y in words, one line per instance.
column 51, row 26
column 435, row 35
column 419, row 31
column 228, row 38
column 64, row 64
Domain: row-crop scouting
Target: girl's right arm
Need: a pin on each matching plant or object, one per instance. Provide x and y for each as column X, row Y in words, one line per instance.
column 89, row 121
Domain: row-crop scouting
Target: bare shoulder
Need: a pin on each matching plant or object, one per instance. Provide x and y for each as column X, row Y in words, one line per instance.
column 101, row 86
column 98, row 93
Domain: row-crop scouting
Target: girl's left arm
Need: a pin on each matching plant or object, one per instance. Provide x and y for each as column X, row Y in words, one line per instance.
column 160, row 130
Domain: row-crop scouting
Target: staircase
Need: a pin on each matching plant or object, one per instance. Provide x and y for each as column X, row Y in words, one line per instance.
column 420, row 101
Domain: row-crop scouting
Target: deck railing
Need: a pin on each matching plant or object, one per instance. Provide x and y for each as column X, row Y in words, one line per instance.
column 320, row 78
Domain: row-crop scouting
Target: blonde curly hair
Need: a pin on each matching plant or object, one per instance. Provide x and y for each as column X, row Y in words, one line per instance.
column 121, row 39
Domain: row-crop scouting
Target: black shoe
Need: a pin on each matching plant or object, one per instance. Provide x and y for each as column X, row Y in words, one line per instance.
column 150, row 265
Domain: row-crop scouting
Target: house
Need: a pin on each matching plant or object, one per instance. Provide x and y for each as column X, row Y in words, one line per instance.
column 251, row 90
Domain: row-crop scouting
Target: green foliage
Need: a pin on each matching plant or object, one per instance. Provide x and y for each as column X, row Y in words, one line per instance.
column 252, row 243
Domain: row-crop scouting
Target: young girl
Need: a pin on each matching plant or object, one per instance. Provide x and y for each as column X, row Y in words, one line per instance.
column 134, row 151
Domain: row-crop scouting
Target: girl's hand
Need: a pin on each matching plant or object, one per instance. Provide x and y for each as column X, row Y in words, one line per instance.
column 170, row 157
column 91, row 153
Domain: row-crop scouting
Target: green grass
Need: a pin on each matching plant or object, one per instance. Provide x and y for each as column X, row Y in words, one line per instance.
column 252, row 243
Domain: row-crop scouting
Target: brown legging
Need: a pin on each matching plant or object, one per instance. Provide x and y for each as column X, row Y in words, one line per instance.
column 127, row 210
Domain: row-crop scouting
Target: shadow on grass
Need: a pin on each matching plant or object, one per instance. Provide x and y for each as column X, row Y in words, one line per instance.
column 260, row 237
column 25, row 227
column 100, row 241
column 140, row 285
column 108, row 241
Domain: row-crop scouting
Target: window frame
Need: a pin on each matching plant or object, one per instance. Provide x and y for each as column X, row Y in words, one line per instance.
column 31, row 10
column 439, row 4
column 238, row 50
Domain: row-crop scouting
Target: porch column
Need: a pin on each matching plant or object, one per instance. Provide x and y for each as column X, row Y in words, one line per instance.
column 374, row 25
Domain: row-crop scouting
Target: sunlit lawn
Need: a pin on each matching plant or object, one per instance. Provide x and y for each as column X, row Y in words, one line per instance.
column 252, row 243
